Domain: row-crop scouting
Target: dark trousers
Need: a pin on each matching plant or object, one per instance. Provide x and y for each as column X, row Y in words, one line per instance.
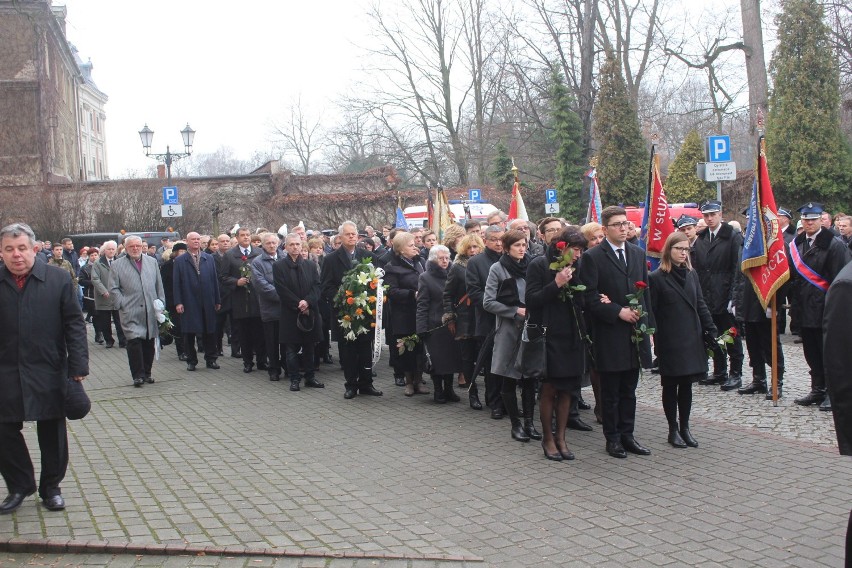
column 357, row 359
column 208, row 341
column 292, row 354
column 140, row 356
column 734, row 350
column 493, row 383
column 104, row 322
column 618, row 391
column 221, row 321
column 251, row 339
column 275, row 353
column 16, row 465
column 812, row 346
column 759, row 345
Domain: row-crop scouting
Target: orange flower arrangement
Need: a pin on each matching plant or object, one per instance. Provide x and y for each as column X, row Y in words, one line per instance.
column 355, row 300
column 350, row 300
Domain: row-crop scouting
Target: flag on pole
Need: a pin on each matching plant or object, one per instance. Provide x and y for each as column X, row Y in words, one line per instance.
column 401, row 222
column 656, row 220
column 593, row 215
column 517, row 209
column 430, row 208
column 441, row 218
column 764, row 259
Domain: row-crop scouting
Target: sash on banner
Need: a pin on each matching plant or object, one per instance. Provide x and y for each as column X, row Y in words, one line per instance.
column 380, row 302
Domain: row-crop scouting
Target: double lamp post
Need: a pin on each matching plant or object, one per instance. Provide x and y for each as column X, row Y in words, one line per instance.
column 147, row 136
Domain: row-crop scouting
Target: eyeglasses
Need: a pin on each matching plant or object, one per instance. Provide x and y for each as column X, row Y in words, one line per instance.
column 681, row 249
column 553, row 230
column 622, row 224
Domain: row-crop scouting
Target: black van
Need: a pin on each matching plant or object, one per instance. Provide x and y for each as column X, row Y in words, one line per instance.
column 97, row 239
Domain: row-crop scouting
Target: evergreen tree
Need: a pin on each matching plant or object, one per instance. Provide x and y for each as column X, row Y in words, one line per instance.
column 808, row 156
column 682, row 183
column 622, row 154
column 568, row 135
column 501, row 169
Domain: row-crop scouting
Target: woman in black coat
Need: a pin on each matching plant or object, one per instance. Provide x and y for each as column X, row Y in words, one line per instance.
column 459, row 313
column 551, row 306
column 682, row 321
column 402, row 275
column 443, row 349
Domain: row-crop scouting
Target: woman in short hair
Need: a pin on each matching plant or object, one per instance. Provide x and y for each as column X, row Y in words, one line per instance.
column 682, row 321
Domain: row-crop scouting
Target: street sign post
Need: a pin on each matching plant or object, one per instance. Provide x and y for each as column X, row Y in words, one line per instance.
column 551, row 208
column 550, row 197
column 717, row 171
column 170, row 195
column 169, row 211
column 474, row 195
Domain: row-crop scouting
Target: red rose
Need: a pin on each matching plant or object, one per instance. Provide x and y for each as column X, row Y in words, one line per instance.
column 561, row 245
column 244, row 257
column 641, row 285
column 733, row 332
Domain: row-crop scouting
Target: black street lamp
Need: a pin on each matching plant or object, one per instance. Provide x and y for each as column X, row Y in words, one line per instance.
column 147, row 136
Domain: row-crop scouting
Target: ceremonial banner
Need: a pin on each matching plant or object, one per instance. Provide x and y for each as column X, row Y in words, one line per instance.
column 517, row 209
column 656, row 221
column 593, row 215
column 441, row 218
column 764, row 260
column 430, row 208
column 401, row 222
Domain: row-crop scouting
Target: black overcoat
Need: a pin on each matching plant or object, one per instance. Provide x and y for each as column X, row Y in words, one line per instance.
column 43, row 343
column 199, row 293
column 565, row 349
column 402, row 279
column 476, row 277
column 457, row 303
column 603, row 273
column 294, row 282
column 826, row 257
column 243, row 303
column 681, row 318
column 717, row 264
column 444, row 350
column 336, row 264
column 837, row 356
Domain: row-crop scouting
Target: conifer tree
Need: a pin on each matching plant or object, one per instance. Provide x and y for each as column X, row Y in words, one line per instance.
column 568, row 135
column 682, row 183
column 622, row 154
column 501, row 169
column 808, row 156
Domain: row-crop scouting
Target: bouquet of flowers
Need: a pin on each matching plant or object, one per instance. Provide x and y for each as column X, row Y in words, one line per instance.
column 245, row 272
column 566, row 293
column 640, row 329
column 722, row 341
column 357, row 297
column 164, row 320
column 407, row 343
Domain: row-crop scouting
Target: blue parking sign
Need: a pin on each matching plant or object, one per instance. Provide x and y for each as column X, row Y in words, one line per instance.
column 550, row 196
column 170, row 196
column 718, row 148
column 474, row 195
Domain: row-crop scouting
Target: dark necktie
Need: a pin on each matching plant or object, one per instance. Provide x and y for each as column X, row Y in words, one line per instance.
column 808, row 243
column 621, row 256
column 711, row 236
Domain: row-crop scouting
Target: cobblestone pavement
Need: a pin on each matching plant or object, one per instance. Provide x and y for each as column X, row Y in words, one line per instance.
column 227, row 459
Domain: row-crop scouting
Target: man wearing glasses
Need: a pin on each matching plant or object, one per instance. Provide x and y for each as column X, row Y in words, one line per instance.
column 614, row 268
column 498, row 218
column 717, row 255
column 534, row 247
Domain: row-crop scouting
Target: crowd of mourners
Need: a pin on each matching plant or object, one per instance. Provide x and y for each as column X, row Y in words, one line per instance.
column 545, row 309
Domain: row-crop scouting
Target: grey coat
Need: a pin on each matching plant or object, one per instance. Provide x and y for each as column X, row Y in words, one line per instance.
column 509, row 324
column 100, row 282
column 263, row 285
column 134, row 294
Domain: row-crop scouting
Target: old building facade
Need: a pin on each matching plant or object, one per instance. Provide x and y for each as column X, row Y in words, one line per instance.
column 93, row 146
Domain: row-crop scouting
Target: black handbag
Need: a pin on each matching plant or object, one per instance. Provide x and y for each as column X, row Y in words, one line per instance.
column 507, row 292
column 531, row 358
column 77, row 402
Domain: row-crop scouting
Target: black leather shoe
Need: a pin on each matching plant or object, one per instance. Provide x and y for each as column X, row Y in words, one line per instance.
column 190, row 366
column 314, row 384
column 519, row 434
column 212, row 365
column 769, row 393
column 675, row 438
column 138, row 382
column 825, row 406
column 631, row 445
column 54, row 503
column 734, row 381
column 13, row 501
column 399, row 381
column 687, row 438
column 813, row 397
column 247, row 368
column 182, row 357
column 274, row 377
column 350, row 393
column 294, row 385
column 149, row 380
column 497, row 413
column 616, row 450
column 109, row 344
column 583, row 405
column 556, row 456
column 757, row 386
column 371, row 391
column 577, row 424
column 714, row 379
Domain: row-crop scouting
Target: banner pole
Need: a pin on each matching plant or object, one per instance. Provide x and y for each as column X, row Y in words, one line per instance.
column 774, row 350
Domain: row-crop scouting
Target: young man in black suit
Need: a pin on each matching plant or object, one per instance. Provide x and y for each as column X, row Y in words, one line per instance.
column 613, row 269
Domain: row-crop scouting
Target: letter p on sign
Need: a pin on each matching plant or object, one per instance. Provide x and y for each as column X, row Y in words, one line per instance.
column 718, row 148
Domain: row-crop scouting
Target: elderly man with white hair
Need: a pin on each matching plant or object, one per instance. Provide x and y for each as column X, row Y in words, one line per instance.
column 106, row 314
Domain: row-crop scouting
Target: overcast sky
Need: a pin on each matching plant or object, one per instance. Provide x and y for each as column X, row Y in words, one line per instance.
column 228, row 72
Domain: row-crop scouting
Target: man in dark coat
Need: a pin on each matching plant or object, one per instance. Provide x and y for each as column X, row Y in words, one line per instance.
column 263, row 285
column 223, row 318
column 36, row 300
column 838, row 357
column 717, row 256
column 297, row 283
column 355, row 356
column 475, row 278
column 196, row 297
column 245, row 309
column 817, row 257
column 613, row 268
